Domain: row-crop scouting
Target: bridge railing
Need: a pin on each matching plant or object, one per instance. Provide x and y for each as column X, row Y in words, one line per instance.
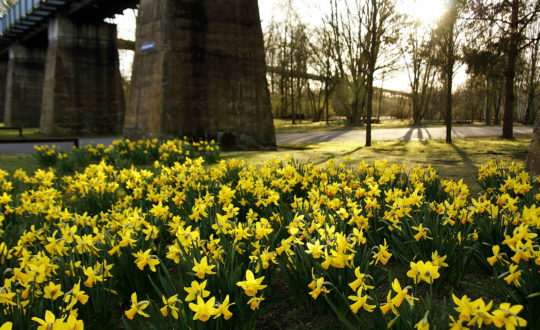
column 25, row 13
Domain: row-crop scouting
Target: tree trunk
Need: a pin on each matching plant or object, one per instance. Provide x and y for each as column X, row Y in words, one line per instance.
column 508, row 125
column 488, row 103
column 293, row 108
column 533, row 158
column 532, row 84
column 380, row 98
column 326, row 102
column 449, row 104
column 417, row 118
column 369, row 109
column 497, row 119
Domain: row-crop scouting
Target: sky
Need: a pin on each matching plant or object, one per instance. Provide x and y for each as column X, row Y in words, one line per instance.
column 312, row 13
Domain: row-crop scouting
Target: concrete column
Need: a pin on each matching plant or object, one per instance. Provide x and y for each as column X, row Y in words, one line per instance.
column 3, row 81
column 83, row 88
column 200, row 71
column 24, row 86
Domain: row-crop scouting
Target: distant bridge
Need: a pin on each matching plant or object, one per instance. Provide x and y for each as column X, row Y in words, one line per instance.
column 198, row 70
column 309, row 76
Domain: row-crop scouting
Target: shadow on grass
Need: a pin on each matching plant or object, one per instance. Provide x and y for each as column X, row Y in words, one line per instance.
column 345, row 154
column 466, row 159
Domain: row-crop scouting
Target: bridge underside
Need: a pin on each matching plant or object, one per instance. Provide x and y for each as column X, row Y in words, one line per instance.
column 199, row 71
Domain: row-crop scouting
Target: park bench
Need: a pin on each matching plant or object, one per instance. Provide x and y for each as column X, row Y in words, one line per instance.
column 14, row 128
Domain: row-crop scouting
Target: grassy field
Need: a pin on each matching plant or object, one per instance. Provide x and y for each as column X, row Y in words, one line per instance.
column 282, row 126
column 461, row 159
column 281, row 310
column 286, row 126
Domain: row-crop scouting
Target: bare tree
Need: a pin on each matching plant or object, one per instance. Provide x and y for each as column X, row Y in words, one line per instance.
column 446, row 39
column 511, row 19
column 382, row 25
column 532, row 78
column 418, row 53
column 344, row 29
column 325, row 69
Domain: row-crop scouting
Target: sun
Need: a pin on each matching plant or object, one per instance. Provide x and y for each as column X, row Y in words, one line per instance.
column 425, row 11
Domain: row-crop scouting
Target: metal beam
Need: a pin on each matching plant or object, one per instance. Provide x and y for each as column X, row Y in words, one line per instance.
column 21, row 20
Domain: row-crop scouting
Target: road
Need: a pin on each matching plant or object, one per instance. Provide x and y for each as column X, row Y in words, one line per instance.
column 409, row 134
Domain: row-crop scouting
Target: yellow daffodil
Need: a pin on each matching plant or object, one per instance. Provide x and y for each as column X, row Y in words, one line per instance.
column 203, row 310
column 223, row 309
column 360, row 281
column 513, row 275
column 251, row 285
column 317, row 287
column 75, row 295
column 496, row 256
column 506, row 316
column 360, row 301
column 202, row 268
column 170, row 304
column 421, row 271
column 137, row 307
column 145, row 258
column 255, row 302
column 52, row 291
column 196, row 289
column 6, row 326
column 382, row 255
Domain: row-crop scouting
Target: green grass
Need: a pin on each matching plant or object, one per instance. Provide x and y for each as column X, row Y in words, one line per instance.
column 11, row 162
column 459, row 160
column 304, row 126
column 28, row 133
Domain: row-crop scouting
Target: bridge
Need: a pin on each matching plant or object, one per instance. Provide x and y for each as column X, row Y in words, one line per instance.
column 199, row 70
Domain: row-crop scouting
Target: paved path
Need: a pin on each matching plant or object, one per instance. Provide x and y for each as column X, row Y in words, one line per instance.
column 332, row 136
column 407, row 134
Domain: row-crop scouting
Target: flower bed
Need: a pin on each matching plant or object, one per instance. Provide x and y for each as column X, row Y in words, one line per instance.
column 185, row 245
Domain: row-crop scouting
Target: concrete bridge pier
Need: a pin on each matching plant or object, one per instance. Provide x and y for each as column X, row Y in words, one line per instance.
column 24, row 86
column 83, row 88
column 200, row 72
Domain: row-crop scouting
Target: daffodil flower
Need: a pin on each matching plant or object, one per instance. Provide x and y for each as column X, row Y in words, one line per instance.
column 137, row 307
column 251, row 285
column 202, row 268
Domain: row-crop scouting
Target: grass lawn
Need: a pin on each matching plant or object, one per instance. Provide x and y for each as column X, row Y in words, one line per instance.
column 459, row 160
column 285, row 125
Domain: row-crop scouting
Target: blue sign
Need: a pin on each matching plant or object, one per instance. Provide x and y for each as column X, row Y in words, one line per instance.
column 148, row 45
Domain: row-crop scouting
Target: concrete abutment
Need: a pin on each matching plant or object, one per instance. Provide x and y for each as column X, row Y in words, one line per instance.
column 200, row 72
column 82, row 86
column 24, row 86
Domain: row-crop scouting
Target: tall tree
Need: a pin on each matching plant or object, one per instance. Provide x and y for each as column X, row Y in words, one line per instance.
column 533, row 158
column 381, row 25
column 344, row 26
column 532, row 78
column 324, row 66
column 419, row 55
column 511, row 18
column 446, row 39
